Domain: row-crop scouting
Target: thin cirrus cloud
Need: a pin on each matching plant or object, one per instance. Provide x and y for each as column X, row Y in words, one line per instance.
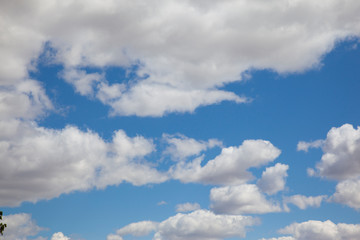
column 181, row 49
column 200, row 224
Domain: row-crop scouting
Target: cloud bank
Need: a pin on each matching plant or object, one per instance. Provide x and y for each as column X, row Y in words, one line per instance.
column 39, row 163
column 181, row 52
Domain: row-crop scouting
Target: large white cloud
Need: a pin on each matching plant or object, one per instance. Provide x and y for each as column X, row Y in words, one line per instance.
column 187, row 49
column 230, row 166
column 39, row 163
column 318, row 230
column 199, row 225
column 242, row 199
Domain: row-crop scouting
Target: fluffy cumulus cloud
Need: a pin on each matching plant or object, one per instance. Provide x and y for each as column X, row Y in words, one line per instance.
column 304, row 202
column 200, row 225
column 20, row 227
column 340, row 161
column 348, row 193
column 59, row 236
column 138, row 229
column 322, row 231
column 273, row 179
column 341, row 148
column 184, row 51
column 39, row 163
column 242, row 199
column 230, row 166
column 187, row 207
column 179, row 146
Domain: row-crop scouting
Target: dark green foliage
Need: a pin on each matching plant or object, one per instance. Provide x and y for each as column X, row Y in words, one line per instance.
column 2, row 225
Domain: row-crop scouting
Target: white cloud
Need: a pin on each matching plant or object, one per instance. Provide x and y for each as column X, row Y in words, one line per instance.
column 340, row 161
column 158, row 99
column 341, row 149
column 348, row 193
column 203, row 225
column 161, row 203
column 82, row 81
column 39, row 163
column 230, row 166
column 181, row 147
column 20, row 43
column 199, row 225
column 59, row 236
column 187, row 49
column 20, row 227
column 138, row 229
column 26, row 100
column 273, row 179
column 113, row 237
column 279, row 238
column 304, row 146
column 242, row 199
column 322, row 231
column 304, row 202
column 187, row 207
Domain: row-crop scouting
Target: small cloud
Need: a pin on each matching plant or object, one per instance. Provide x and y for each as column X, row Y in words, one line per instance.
column 304, row 202
column 161, row 203
column 187, row 207
column 311, row 172
column 304, row 146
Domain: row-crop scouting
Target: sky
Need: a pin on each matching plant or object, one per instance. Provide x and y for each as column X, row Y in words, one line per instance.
column 180, row 119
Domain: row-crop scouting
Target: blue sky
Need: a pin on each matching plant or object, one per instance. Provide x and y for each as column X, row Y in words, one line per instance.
column 177, row 120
